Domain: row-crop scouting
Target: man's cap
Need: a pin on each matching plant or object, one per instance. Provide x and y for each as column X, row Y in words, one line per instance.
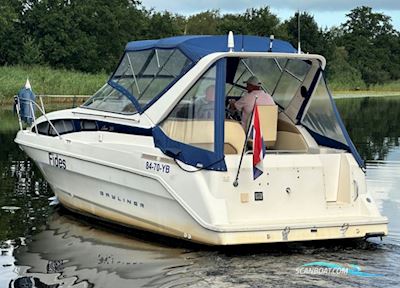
column 253, row 80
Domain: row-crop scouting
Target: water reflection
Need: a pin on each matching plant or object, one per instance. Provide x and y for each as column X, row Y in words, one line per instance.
column 23, row 191
column 74, row 252
column 71, row 252
column 383, row 180
column 373, row 124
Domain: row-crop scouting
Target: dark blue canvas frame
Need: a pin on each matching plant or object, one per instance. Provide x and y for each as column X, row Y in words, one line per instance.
column 195, row 156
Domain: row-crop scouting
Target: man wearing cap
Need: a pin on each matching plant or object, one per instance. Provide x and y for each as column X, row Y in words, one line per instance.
column 246, row 102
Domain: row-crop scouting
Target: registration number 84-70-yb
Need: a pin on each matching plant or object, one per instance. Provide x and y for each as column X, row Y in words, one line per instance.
column 158, row 167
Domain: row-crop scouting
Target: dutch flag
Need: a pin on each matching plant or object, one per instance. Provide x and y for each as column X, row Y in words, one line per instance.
column 258, row 145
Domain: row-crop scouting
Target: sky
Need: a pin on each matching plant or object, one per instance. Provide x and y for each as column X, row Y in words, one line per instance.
column 327, row 13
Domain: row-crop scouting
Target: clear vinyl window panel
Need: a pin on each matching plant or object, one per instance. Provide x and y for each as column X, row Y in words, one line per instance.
column 320, row 116
column 145, row 74
column 280, row 77
column 266, row 69
column 110, row 100
column 293, row 74
column 192, row 120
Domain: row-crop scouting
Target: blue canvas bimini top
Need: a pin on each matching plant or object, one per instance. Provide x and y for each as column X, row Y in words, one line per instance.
column 197, row 46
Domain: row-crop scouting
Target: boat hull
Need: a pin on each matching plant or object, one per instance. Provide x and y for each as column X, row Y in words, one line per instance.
column 117, row 190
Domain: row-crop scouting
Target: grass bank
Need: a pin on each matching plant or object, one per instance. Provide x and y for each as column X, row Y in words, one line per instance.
column 45, row 80
column 386, row 88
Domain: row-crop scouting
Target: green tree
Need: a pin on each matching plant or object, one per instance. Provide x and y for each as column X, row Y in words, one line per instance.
column 363, row 22
column 255, row 21
column 366, row 35
column 232, row 22
column 262, row 22
column 203, row 23
column 312, row 37
column 85, row 35
column 341, row 73
column 389, row 46
column 10, row 31
column 163, row 24
column 31, row 53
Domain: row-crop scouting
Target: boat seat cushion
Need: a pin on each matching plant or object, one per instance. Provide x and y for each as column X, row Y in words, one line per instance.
column 200, row 133
column 269, row 122
column 290, row 141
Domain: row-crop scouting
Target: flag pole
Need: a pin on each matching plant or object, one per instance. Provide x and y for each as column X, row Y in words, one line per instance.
column 298, row 33
column 236, row 182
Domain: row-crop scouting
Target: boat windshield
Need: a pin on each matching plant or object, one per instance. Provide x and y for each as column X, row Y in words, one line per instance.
column 141, row 77
column 279, row 77
column 110, row 100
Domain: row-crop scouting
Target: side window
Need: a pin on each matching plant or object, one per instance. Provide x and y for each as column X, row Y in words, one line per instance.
column 62, row 127
column 43, row 128
column 88, row 125
column 192, row 120
column 320, row 116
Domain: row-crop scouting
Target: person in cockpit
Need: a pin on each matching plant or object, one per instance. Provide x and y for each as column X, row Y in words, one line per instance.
column 206, row 104
column 246, row 103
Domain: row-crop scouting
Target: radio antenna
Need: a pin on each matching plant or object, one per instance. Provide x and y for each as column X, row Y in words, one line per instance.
column 298, row 32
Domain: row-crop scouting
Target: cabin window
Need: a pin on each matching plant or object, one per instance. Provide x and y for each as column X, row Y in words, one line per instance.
column 110, row 100
column 63, row 126
column 192, row 120
column 145, row 74
column 43, row 128
column 320, row 116
column 88, row 125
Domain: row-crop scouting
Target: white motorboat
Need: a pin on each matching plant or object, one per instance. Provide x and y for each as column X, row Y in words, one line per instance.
column 157, row 149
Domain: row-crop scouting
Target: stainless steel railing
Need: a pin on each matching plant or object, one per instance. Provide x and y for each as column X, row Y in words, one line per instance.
column 42, row 110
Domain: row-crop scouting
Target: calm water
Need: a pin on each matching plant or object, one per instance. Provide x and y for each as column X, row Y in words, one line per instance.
column 46, row 246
